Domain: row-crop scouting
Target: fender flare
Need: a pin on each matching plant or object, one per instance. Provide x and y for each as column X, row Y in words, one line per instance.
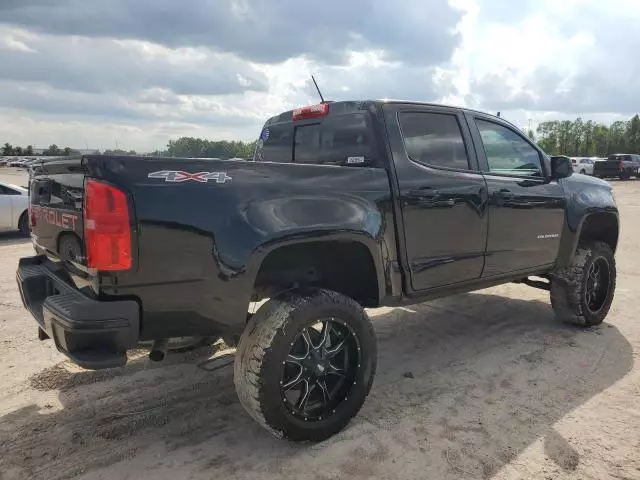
column 372, row 245
column 571, row 238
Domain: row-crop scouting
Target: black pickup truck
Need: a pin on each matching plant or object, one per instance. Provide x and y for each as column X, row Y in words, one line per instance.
column 622, row 166
column 345, row 205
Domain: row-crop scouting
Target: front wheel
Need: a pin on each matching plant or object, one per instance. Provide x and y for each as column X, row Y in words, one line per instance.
column 305, row 364
column 582, row 293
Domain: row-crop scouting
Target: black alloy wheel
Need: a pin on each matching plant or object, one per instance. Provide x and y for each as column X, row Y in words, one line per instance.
column 320, row 369
column 597, row 286
column 305, row 363
column 582, row 292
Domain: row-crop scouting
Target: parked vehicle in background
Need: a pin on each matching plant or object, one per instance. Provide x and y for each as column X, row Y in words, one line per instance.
column 346, row 205
column 15, row 162
column 621, row 165
column 582, row 165
column 14, row 205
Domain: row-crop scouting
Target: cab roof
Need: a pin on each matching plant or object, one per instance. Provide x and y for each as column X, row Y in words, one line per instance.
column 346, row 106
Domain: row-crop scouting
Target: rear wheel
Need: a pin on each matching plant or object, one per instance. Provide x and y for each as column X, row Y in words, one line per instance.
column 582, row 293
column 305, row 364
column 23, row 224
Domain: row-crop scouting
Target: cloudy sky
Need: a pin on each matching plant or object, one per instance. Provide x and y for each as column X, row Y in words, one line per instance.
column 90, row 73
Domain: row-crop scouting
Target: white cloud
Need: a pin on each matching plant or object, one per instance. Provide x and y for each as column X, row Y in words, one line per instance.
column 87, row 71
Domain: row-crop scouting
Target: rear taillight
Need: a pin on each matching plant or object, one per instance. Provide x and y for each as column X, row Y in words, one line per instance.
column 107, row 232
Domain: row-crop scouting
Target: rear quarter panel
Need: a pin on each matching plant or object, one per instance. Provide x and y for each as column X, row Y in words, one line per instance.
column 200, row 244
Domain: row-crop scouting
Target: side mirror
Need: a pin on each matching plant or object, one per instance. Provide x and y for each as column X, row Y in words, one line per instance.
column 561, row 168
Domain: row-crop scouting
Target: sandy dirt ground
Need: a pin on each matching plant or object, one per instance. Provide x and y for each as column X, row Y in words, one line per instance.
column 481, row 385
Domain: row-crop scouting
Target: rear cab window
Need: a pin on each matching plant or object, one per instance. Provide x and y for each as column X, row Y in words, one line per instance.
column 341, row 138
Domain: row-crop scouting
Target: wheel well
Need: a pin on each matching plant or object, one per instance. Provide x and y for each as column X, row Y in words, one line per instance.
column 602, row 227
column 345, row 267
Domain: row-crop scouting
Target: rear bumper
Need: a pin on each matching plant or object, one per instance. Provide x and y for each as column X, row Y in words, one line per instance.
column 93, row 334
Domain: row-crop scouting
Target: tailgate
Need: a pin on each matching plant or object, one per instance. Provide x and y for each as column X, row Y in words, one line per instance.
column 56, row 196
column 606, row 167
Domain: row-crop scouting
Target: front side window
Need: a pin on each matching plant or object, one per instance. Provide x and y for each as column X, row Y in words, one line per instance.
column 507, row 152
column 434, row 139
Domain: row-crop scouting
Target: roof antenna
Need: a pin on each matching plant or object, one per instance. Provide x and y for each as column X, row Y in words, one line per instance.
column 498, row 114
column 318, row 89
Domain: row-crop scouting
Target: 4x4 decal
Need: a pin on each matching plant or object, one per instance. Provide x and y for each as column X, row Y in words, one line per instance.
column 176, row 176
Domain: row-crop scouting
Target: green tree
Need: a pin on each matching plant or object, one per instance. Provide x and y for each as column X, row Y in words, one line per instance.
column 119, row 152
column 588, row 148
column 617, row 137
column 199, row 148
column 633, row 134
column 52, row 151
column 576, row 138
column 7, row 149
column 28, row 150
column 18, row 151
column 601, row 140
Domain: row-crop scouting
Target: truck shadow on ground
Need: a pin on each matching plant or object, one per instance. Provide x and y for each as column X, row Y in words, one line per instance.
column 464, row 385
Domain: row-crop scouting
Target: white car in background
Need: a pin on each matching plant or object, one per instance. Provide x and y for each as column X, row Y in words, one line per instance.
column 14, row 206
column 583, row 165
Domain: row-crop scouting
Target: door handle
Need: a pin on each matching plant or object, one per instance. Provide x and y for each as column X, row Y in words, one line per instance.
column 505, row 193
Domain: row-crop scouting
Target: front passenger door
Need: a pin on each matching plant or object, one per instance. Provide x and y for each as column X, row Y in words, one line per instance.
column 526, row 208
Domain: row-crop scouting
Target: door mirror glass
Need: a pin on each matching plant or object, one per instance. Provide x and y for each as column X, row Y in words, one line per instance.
column 560, row 167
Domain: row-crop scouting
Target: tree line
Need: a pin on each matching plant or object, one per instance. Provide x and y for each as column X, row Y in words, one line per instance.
column 199, row 148
column 556, row 137
column 182, row 147
column 589, row 139
column 8, row 150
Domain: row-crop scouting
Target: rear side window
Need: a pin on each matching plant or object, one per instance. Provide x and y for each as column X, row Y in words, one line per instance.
column 275, row 143
column 434, row 139
column 333, row 140
column 337, row 140
column 8, row 191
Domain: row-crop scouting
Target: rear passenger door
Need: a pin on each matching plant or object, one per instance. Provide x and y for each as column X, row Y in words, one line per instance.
column 526, row 207
column 442, row 196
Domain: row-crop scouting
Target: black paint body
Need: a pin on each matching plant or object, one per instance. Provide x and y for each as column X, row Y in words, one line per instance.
column 430, row 231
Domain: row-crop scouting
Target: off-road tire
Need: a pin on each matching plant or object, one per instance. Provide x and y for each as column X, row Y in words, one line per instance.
column 23, row 224
column 568, row 286
column 265, row 344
